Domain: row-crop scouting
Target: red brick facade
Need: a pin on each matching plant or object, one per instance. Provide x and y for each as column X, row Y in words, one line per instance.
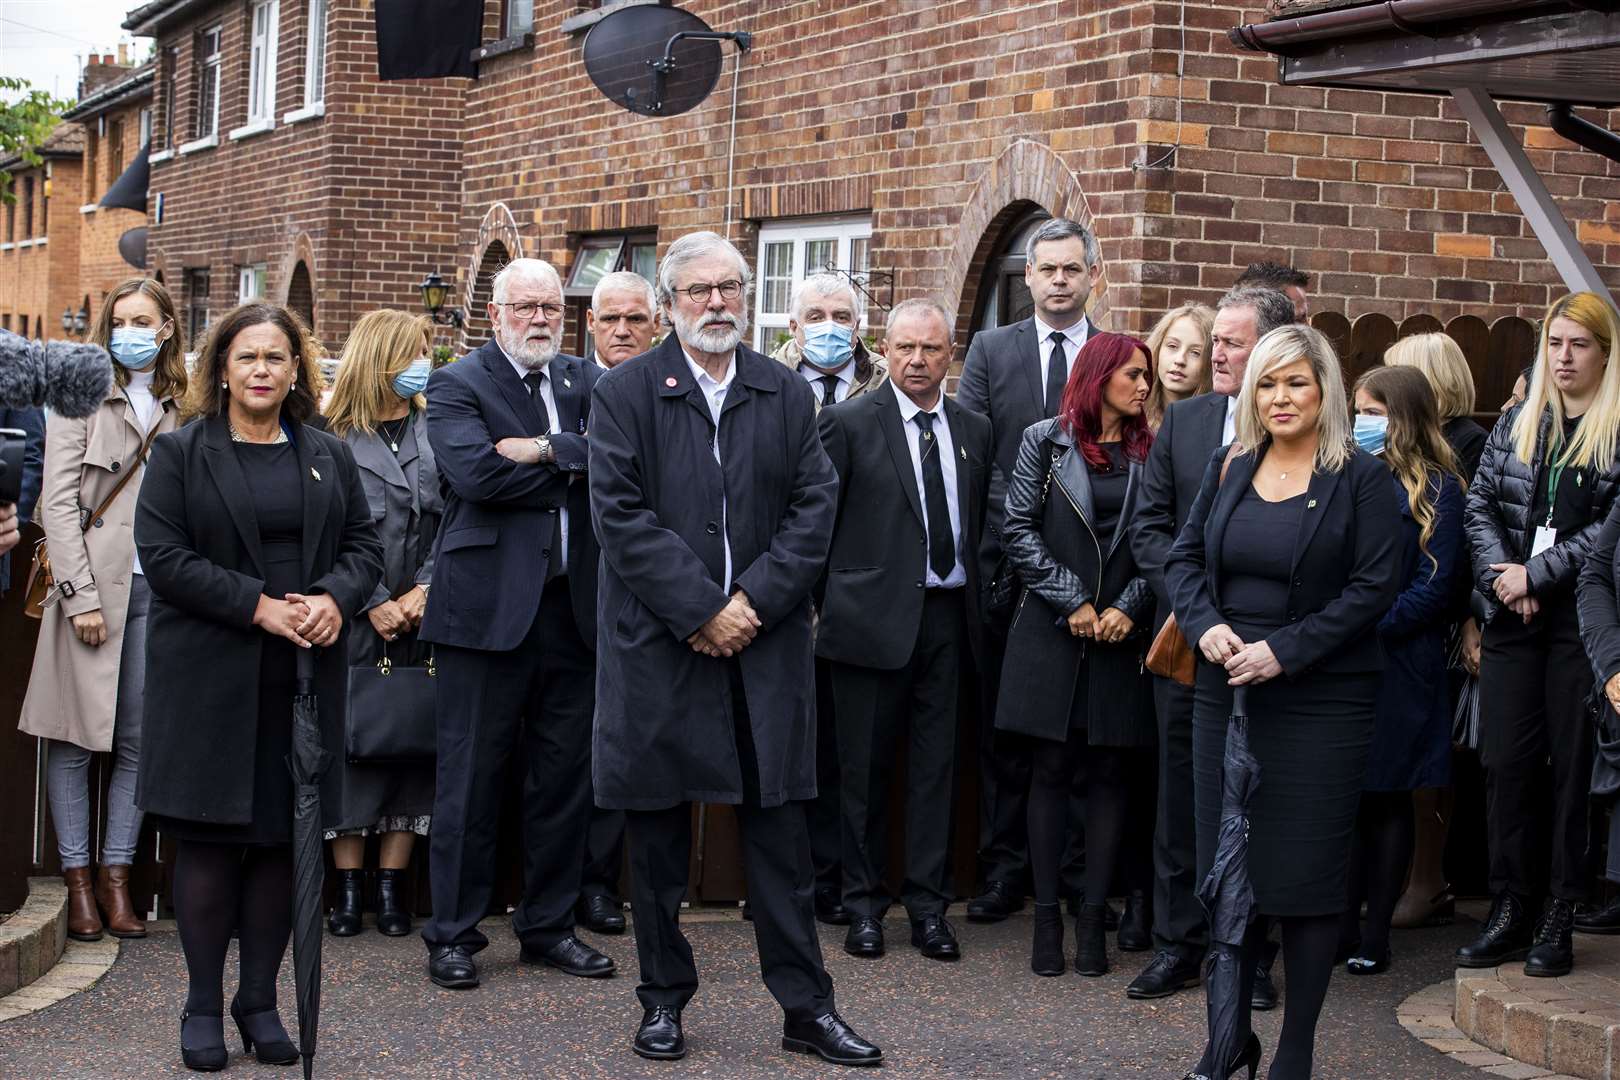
column 39, row 238
column 115, row 116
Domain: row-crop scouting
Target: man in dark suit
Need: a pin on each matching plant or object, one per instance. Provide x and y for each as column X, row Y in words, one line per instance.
column 713, row 500
column 1015, row 376
column 900, row 618
column 512, row 616
column 1191, row 432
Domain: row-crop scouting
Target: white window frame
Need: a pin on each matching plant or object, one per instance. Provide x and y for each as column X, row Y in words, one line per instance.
column 211, row 73
column 250, row 282
column 843, row 230
column 315, row 55
column 265, row 18
column 145, row 126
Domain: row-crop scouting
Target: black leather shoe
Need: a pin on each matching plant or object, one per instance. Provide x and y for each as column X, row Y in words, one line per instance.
column 1090, row 941
column 659, row 1036
column 1165, row 974
column 1136, row 925
column 1046, row 950
column 747, row 912
column 452, row 967
column 202, row 1041
column 573, row 956
column 830, row 908
column 865, row 937
column 831, row 1039
column 1248, row 1060
column 998, row 901
column 345, row 918
column 1598, row 920
column 392, row 917
column 263, row 1035
column 1263, row 998
column 933, row 936
column 1554, row 951
column 1507, row 935
column 601, row 914
column 1076, row 901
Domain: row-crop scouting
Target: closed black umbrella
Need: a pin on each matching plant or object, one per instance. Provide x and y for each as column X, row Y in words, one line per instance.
column 1228, row 896
column 308, row 762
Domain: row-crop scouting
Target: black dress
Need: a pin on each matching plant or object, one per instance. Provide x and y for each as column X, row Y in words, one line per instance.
column 1108, row 491
column 1310, row 733
column 278, row 504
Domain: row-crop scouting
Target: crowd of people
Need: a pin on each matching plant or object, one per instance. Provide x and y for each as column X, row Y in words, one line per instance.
column 680, row 572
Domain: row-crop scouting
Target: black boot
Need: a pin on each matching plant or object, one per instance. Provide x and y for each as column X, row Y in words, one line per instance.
column 392, row 918
column 1091, row 940
column 1554, row 950
column 345, row 918
column 1136, row 925
column 1046, row 955
column 1507, row 935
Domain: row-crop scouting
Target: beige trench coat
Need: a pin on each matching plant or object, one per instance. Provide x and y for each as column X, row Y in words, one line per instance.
column 73, row 691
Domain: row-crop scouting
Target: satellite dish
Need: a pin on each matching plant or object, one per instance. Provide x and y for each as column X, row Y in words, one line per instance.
column 655, row 60
column 132, row 246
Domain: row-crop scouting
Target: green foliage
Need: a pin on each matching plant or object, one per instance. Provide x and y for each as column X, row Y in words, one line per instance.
column 24, row 124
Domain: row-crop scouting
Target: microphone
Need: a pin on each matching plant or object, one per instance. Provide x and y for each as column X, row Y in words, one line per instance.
column 67, row 377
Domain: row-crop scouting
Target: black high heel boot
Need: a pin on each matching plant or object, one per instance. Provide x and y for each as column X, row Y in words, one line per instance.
column 1046, row 956
column 262, row 1029
column 345, row 918
column 202, row 1041
column 1249, row 1059
column 1091, row 940
column 392, row 918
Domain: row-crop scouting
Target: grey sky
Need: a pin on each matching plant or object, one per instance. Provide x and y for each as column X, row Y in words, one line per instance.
column 47, row 41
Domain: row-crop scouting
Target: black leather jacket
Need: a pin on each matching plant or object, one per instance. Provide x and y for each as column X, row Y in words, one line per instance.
column 1498, row 522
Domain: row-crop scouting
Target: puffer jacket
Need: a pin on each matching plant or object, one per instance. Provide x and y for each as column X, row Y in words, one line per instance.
column 1498, row 517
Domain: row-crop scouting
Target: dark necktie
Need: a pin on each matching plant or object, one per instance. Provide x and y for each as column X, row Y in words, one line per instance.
column 941, row 546
column 829, row 390
column 1057, row 371
column 533, row 380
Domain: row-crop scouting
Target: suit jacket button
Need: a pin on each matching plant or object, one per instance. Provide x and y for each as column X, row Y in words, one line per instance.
column 115, row 466
column 711, row 528
column 545, row 553
column 919, row 584
column 98, row 523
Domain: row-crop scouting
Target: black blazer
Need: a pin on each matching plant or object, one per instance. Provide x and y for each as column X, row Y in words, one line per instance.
column 198, row 541
column 1598, row 603
column 1346, row 566
column 873, row 603
column 1174, row 472
column 489, row 569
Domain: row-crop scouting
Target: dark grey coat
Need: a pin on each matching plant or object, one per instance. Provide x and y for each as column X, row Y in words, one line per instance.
column 663, row 733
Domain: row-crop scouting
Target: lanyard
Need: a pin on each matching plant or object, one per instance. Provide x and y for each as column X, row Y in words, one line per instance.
column 1554, row 473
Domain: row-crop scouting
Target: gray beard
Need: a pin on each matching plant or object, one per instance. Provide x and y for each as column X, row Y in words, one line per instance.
column 530, row 355
column 711, row 339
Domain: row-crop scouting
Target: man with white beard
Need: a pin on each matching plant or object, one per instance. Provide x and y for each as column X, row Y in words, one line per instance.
column 714, row 502
column 512, row 616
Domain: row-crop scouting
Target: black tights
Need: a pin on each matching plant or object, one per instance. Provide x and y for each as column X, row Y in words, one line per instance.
column 1378, row 862
column 1055, row 768
column 1308, row 945
column 218, row 887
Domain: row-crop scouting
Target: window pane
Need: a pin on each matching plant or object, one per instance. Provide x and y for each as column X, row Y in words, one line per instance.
column 817, row 254
column 519, row 16
column 315, row 57
column 776, row 291
column 597, row 258
column 644, row 261
column 860, row 254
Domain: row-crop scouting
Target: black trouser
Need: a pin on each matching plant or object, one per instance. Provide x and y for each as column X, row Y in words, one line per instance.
column 1533, row 685
column 874, row 709
column 1178, row 917
column 823, row 812
column 1104, row 771
column 781, row 881
column 534, row 702
column 1004, row 768
column 604, row 853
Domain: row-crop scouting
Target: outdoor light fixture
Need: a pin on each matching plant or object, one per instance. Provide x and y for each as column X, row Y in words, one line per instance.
column 434, row 291
column 74, row 322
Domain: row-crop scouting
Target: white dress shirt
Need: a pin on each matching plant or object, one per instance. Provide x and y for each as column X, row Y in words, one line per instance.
column 845, row 376
column 1075, row 336
column 597, row 360
column 1229, row 425
column 715, row 394
column 550, row 399
column 947, row 465
column 138, row 391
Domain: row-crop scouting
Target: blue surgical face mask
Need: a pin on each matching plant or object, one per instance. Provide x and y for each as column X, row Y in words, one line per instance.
column 413, row 380
column 828, row 345
column 1371, row 432
column 134, row 346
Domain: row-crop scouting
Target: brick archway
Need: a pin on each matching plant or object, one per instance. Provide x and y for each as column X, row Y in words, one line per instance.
column 1024, row 173
column 295, row 293
column 498, row 226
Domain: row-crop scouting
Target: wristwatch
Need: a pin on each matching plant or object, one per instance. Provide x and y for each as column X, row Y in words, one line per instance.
column 542, row 443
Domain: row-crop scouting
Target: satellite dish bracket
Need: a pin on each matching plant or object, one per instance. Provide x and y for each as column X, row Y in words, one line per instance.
column 666, row 64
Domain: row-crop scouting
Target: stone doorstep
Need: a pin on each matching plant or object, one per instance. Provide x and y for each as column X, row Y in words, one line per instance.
column 32, row 940
column 81, row 966
column 1568, row 1027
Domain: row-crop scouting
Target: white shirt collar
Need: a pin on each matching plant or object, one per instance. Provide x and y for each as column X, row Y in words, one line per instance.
column 707, row 381
column 543, row 369
column 909, row 408
column 813, row 374
column 1077, row 333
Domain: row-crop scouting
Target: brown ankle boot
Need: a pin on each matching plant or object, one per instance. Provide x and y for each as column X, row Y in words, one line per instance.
column 112, row 893
column 84, row 923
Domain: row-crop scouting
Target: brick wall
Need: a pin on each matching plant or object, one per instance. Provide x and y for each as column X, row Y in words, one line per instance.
column 39, row 273
column 100, row 264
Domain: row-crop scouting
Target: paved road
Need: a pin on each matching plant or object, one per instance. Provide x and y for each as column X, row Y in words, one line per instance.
column 986, row 1016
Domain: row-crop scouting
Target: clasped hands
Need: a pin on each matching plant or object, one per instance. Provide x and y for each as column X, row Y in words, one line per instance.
column 392, row 618
column 1512, row 587
column 305, row 621
column 1244, row 663
column 1111, row 627
column 729, row 630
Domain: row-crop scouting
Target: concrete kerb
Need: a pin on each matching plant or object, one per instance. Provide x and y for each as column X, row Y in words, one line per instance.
column 38, row 964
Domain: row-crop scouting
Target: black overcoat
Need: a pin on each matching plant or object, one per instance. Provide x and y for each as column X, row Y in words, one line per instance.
column 198, row 541
column 663, row 731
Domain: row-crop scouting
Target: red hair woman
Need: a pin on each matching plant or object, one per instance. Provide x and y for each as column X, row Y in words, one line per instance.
column 1073, row 675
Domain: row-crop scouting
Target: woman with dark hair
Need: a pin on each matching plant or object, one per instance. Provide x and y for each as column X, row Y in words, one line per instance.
column 1397, row 420
column 1073, row 676
column 255, row 532
column 89, row 677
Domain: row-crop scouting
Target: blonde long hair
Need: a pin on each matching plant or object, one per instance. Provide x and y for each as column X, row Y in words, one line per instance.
column 1594, row 443
column 1282, row 347
column 1442, row 362
column 381, row 345
column 1203, row 316
column 1415, row 447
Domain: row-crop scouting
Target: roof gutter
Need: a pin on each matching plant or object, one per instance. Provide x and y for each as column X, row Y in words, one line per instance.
column 1279, row 35
column 1582, row 132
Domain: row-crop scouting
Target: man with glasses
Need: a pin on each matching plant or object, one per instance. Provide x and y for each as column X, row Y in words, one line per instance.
column 713, row 500
column 513, row 620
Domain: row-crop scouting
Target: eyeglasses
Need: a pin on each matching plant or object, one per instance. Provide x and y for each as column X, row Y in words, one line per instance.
column 525, row 311
column 700, row 293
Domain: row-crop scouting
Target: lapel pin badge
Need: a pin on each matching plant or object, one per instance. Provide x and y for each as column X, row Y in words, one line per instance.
column 1311, row 505
column 963, row 451
column 313, row 473
column 670, row 382
column 567, row 384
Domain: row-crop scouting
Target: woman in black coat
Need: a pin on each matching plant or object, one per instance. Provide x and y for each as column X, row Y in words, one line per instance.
column 256, row 539
column 1073, row 675
column 1279, row 579
column 1547, row 481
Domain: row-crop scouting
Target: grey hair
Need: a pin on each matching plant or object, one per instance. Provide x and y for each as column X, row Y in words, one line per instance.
column 919, row 306
column 1063, row 229
column 628, row 281
column 1283, row 346
column 1272, row 309
column 823, row 283
column 523, row 268
column 690, row 248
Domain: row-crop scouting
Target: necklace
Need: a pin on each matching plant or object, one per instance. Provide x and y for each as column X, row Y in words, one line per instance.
column 236, row 436
column 393, row 430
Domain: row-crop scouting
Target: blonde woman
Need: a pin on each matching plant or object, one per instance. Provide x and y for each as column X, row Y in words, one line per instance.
column 377, row 408
column 87, row 690
column 1442, row 362
column 1544, row 486
column 1284, row 569
column 1180, row 345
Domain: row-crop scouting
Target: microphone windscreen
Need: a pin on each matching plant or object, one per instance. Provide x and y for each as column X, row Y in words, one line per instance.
column 78, row 376
column 22, row 372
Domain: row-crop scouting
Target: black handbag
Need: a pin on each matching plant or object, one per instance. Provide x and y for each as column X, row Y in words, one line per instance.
column 1004, row 587
column 391, row 713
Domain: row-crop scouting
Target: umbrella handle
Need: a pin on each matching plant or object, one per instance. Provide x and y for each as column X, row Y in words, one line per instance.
column 1240, row 701
column 306, row 670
